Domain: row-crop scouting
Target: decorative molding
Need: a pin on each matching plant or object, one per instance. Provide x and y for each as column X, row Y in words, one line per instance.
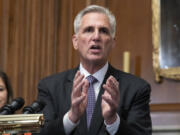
column 166, row 129
column 171, row 73
column 156, row 37
column 165, row 107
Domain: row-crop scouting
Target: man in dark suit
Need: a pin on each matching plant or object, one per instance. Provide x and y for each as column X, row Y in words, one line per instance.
column 95, row 98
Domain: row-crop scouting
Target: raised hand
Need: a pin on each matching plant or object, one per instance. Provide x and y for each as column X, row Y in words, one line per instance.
column 110, row 100
column 78, row 97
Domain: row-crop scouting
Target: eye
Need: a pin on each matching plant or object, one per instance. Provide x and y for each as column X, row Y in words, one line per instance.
column 88, row 29
column 1, row 89
column 104, row 30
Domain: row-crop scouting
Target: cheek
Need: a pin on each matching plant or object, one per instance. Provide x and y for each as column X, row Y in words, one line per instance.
column 3, row 96
column 82, row 42
column 82, row 45
column 84, row 38
column 108, row 45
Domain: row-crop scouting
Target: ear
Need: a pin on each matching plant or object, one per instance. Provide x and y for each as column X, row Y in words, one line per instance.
column 75, row 40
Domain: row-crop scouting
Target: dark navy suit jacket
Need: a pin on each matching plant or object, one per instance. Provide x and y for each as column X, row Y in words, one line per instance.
column 133, row 110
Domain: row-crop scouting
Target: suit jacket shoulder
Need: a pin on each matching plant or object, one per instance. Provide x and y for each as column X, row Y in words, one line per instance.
column 127, row 80
column 62, row 76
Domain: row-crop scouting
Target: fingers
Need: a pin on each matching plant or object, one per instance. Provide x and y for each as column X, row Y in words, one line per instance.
column 76, row 111
column 85, row 92
column 111, row 96
column 78, row 96
column 80, row 89
column 78, row 79
column 112, row 87
column 78, row 100
column 111, row 102
column 78, row 84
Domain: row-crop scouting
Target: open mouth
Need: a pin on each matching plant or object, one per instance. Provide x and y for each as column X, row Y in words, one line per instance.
column 95, row 47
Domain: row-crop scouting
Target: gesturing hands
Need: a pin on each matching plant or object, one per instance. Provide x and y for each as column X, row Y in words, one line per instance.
column 78, row 97
column 110, row 100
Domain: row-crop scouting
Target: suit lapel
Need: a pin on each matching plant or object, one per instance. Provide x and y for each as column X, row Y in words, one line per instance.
column 68, row 87
column 82, row 127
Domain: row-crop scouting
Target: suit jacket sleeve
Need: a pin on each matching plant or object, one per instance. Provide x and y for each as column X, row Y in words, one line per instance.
column 53, row 121
column 135, row 117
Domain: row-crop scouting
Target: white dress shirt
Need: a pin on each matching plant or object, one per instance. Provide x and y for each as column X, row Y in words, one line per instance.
column 99, row 75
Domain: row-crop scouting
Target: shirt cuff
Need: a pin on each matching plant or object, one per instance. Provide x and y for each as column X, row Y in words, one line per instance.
column 112, row 128
column 68, row 124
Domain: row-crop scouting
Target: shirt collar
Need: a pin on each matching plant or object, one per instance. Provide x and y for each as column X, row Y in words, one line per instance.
column 99, row 75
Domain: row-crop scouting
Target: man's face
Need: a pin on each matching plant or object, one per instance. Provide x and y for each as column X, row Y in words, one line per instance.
column 94, row 40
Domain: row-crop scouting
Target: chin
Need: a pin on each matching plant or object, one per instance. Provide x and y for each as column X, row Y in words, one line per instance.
column 97, row 61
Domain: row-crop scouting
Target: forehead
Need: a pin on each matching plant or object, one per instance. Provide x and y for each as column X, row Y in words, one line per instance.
column 95, row 19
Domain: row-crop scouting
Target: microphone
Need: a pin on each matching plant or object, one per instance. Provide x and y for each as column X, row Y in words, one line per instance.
column 36, row 107
column 11, row 108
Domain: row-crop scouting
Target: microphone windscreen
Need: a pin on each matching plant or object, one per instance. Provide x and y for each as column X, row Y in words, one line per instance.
column 17, row 103
column 36, row 107
column 12, row 107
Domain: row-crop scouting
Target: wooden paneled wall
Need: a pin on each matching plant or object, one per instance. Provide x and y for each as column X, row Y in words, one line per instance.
column 35, row 41
column 27, row 43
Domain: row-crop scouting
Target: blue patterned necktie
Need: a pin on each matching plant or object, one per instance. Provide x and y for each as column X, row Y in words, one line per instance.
column 91, row 99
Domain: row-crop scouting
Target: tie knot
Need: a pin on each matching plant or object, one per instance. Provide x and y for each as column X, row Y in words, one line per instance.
column 91, row 79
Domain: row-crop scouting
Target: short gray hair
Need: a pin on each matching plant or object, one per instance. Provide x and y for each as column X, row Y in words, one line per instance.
column 98, row 9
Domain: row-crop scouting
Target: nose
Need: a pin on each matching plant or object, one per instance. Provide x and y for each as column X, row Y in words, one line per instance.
column 96, row 36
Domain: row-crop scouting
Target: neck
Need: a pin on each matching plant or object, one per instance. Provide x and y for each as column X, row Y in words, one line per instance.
column 92, row 67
